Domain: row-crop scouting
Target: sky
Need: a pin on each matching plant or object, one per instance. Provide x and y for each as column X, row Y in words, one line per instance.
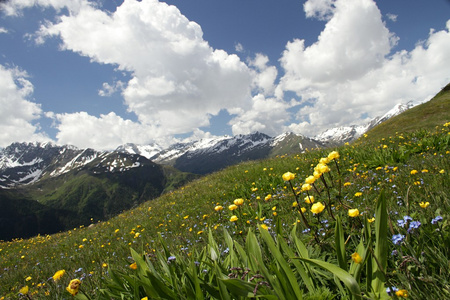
column 102, row 73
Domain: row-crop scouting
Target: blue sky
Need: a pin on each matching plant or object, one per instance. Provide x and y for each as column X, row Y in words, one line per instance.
column 103, row 73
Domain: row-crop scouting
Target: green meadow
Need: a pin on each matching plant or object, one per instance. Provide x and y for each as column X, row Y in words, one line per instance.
column 369, row 220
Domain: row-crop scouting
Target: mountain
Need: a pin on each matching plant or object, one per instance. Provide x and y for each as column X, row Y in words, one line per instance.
column 345, row 134
column 70, row 186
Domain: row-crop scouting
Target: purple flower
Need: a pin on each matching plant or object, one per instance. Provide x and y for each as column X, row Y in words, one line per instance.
column 397, row 238
column 171, row 258
column 403, row 222
column 436, row 220
column 391, row 290
column 414, row 225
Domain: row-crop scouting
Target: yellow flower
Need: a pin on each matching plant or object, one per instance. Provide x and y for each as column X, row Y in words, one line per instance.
column 306, row 187
column 347, row 184
column 233, row 219
column 137, row 235
column 145, row 298
column 333, row 155
column 133, row 266
column 322, row 168
column 24, row 290
column 310, row 179
column 324, row 160
column 104, row 265
column 309, row 199
column 413, row 172
column 353, row 212
column 116, row 231
column 232, row 207
column 294, row 204
column 73, row 286
column 200, row 232
column 239, row 201
column 264, row 226
column 288, row 176
column 358, row 194
column 317, row 208
column 442, row 171
column 402, row 293
column 356, row 258
column 303, row 209
column 218, row 208
column 268, row 197
column 371, row 220
column 424, row 204
column 28, row 278
column 58, row 275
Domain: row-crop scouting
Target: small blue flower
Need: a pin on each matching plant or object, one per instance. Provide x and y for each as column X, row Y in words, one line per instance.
column 401, row 223
column 391, row 290
column 414, row 225
column 397, row 238
column 436, row 220
column 407, row 218
column 171, row 258
column 394, row 253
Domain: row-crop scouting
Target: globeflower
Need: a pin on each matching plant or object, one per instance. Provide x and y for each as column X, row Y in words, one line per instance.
column 322, row 168
column 232, row 207
column 268, row 197
column 58, row 275
column 24, row 290
column 218, row 208
column 233, row 219
column 324, row 160
column 306, row 187
column 333, row 155
column 73, row 286
column 353, row 212
column 238, row 202
column 317, row 208
column 288, row 176
column 413, row 172
column 309, row 199
column 310, row 179
column 133, row 266
column 356, row 258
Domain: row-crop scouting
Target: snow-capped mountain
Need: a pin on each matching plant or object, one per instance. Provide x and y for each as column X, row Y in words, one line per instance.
column 26, row 163
column 344, row 134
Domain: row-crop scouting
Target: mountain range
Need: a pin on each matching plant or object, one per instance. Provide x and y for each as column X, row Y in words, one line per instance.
column 46, row 188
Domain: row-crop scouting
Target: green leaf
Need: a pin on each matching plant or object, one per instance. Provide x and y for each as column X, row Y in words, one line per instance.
column 340, row 245
column 343, row 275
column 381, row 246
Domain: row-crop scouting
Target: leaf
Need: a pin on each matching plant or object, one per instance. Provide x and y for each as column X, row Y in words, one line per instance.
column 340, row 245
column 381, row 246
column 343, row 275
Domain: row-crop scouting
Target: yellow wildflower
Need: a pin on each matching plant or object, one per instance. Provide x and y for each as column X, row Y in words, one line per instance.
column 294, row 204
column 58, row 275
column 356, row 258
column 310, row 179
column 28, row 278
column 232, row 207
column 233, row 219
column 353, row 212
column 333, row 155
column 239, row 201
column 371, row 220
column 309, row 199
column 133, row 266
column 317, row 208
column 306, row 187
column 268, row 197
column 288, row 176
column 218, row 208
column 413, row 172
column 73, row 286
column 424, row 204
column 358, row 194
column 264, row 226
column 24, row 290
column 402, row 293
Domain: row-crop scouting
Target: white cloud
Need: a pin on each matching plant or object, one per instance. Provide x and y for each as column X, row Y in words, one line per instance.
column 103, row 133
column 392, row 17
column 17, row 113
column 264, row 76
column 108, row 89
column 3, row 30
column 320, row 9
column 349, row 73
column 238, row 47
column 15, row 7
column 266, row 115
column 178, row 81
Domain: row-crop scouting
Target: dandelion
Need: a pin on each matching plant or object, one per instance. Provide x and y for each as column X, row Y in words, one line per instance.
column 317, row 208
column 356, row 258
column 73, row 286
column 57, row 276
column 288, row 176
column 309, row 199
column 424, row 204
column 233, row 219
column 353, row 212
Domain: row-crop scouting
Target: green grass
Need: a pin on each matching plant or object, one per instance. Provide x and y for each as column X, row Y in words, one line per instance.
column 184, row 217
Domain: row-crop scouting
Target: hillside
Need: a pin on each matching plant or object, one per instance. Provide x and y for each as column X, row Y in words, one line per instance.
column 175, row 227
column 425, row 116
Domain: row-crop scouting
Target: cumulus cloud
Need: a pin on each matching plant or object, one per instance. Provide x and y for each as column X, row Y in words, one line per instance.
column 392, row 17
column 17, row 112
column 264, row 76
column 178, row 81
column 15, row 7
column 320, row 9
column 110, row 89
column 350, row 75
column 3, row 30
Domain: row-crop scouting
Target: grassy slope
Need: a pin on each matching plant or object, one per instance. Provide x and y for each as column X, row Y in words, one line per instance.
column 184, row 216
column 424, row 116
